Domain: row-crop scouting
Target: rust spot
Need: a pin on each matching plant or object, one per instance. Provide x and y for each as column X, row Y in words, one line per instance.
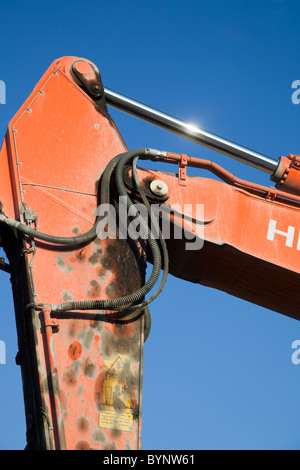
column 110, row 446
column 108, row 346
column 75, row 350
column 60, row 263
column 111, row 344
column 69, row 269
column 76, row 367
column 75, row 230
column 72, row 329
column 90, row 371
column 95, row 289
column 112, row 290
column 115, row 433
column 67, row 296
column 97, row 325
column 82, row 445
column 107, row 263
column 99, row 436
column 86, row 337
column 102, row 275
column 96, row 257
column 81, row 255
column 82, row 424
column 69, row 378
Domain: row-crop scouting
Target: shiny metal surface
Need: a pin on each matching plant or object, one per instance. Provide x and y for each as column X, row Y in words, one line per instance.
column 190, row 131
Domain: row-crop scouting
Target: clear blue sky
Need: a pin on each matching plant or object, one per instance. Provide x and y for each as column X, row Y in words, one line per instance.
column 217, row 371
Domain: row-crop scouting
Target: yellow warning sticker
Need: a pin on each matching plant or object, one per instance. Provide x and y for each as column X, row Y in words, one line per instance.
column 109, row 420
column 116, row 410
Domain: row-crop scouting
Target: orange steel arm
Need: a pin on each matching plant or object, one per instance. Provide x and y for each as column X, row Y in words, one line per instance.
column 82, row 367
column 54, row 153
column 251, row 236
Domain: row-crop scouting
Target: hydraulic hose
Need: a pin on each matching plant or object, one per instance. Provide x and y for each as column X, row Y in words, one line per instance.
column 26, row 230
column 138, row 295
column 135, row 301
column 140, row 308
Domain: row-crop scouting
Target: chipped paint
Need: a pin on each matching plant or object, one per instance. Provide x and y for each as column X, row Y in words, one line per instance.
column 69, row 269
column 67, row 296
column 86, row 338
column 60, row 263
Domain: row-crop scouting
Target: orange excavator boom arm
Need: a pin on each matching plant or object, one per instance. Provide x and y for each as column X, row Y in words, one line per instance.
column 79, row 220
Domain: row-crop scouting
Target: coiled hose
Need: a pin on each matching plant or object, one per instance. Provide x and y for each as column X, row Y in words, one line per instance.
column 126, row 304
column 137, row 296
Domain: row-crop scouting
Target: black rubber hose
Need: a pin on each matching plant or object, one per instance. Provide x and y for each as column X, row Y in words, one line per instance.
column 122, row 312
column 140, row 293
column 78, row 240
column 117, row 317
column 131, row 300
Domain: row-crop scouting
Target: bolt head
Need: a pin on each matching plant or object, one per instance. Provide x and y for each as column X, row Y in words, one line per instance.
column 159, row 188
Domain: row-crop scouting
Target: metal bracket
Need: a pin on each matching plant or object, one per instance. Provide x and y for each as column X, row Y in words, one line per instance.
column 182, row 170
column 53, row 323
column 49, row 321
column 30, row 217
column 87, row 76
column 271, row 195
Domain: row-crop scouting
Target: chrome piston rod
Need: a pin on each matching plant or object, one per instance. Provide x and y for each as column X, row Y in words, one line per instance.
column 190, row 131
